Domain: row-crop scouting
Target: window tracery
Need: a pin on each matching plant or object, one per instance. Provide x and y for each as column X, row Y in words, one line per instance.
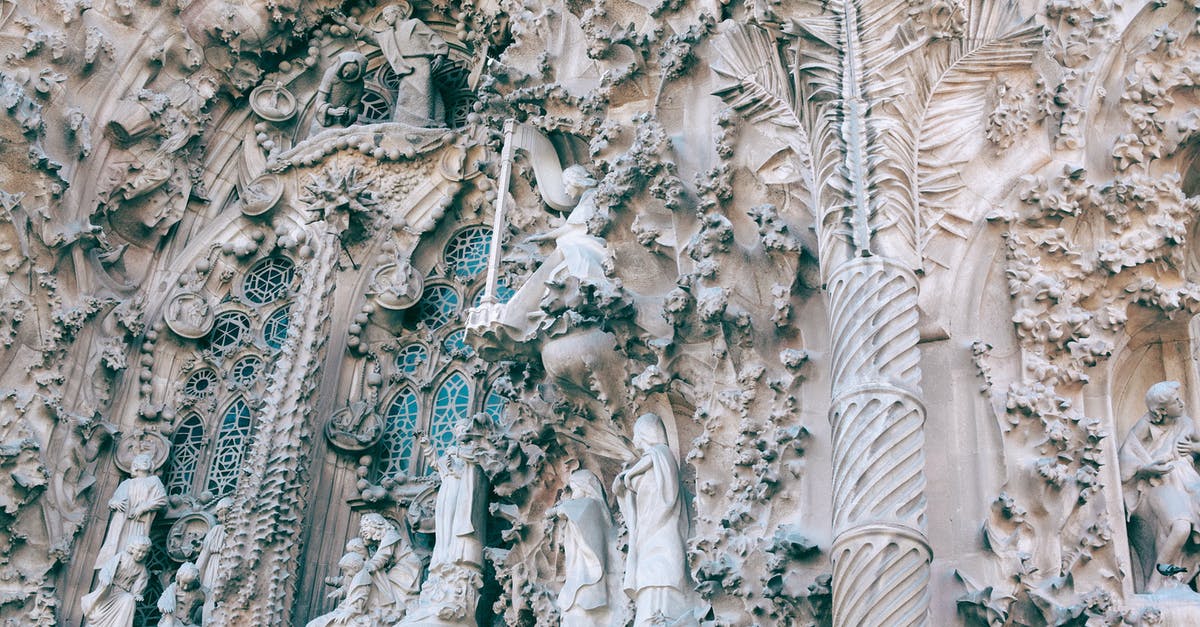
column 268, row 280
column 451, row 78
column 249, row 327
column 186, row 446
column 159, row 566
column 400, row 422
column 229, row 332
column 452, row 401
column 232, row 437
column 437, row 377
column 275, row 328
column 439, row 305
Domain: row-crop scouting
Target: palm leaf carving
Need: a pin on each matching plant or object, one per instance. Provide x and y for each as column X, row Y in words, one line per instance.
column 796, row 96
column 873, row 110
column 760, row 88
column 957, row 75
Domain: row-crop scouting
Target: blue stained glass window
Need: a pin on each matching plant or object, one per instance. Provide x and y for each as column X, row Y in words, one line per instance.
column 276, row 327
column 467, row 252
column 456, row 344
column 399, row 423
column 246, row 370
column 202, row 384
column 453, row 401
column 494, row 404
column 185, row 453
column 504, row 294
column 232, row 439
column 268, row 280
column 438, row 306
column 411, row 357
column 228, row 332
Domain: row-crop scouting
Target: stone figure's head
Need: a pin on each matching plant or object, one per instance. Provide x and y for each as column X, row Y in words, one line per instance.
column 222, row 507
column 350, row 66
column 463, row 429
column 585, row 485
column 351, row 563
column 356, row 546
column 141, row 465
column 188, row 576
column 372, row 527
column 648, row 431
column 395, row 12
column 576, row 181
column 139, row 548
column 1164, row 401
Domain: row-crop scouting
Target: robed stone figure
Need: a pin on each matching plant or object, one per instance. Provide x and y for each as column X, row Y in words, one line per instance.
column 450, row 594
column 583, row 600
column 134, row 505
column 410, row 47
column 181, row 604
column 209, row 559
column 119, row 586
column 1162, row 488
column 651, row 499
column 394, row 568
column 459, row 513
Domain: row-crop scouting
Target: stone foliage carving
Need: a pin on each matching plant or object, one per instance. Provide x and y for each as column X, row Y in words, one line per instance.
column 802, row 234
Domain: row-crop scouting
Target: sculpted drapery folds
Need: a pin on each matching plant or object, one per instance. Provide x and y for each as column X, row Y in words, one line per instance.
column 459, row 514
column 339, row 98
column 411, row 48
column 795, row 236
column 394, row 569
column 134, row 505
column 380, row 577
column 182, row 603
column 1162, row 489
column 119, row 586
column 583, row 600
column 651, row 499
column 209, row 560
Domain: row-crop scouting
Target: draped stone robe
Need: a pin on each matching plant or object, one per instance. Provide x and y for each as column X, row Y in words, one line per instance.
column 585, row 546
column 146, row 495
column 114, row 601
column 653, row 510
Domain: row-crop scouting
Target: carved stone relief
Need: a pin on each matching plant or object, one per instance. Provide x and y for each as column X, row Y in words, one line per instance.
column 850, row 312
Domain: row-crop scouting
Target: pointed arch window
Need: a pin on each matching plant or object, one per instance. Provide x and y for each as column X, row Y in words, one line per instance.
column 494, row 406
column 400, row 423
column 452, row 401
column 232, row 438
column 435, row 369
column 229, row 363
column 186, row 445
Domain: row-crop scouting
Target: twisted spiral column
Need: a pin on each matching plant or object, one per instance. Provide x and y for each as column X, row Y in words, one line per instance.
column 880, row 551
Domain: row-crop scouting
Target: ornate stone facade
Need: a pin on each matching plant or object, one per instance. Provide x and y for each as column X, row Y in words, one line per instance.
column 599, row 312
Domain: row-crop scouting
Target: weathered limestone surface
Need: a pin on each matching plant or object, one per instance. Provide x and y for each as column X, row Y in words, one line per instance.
column 599, row 312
